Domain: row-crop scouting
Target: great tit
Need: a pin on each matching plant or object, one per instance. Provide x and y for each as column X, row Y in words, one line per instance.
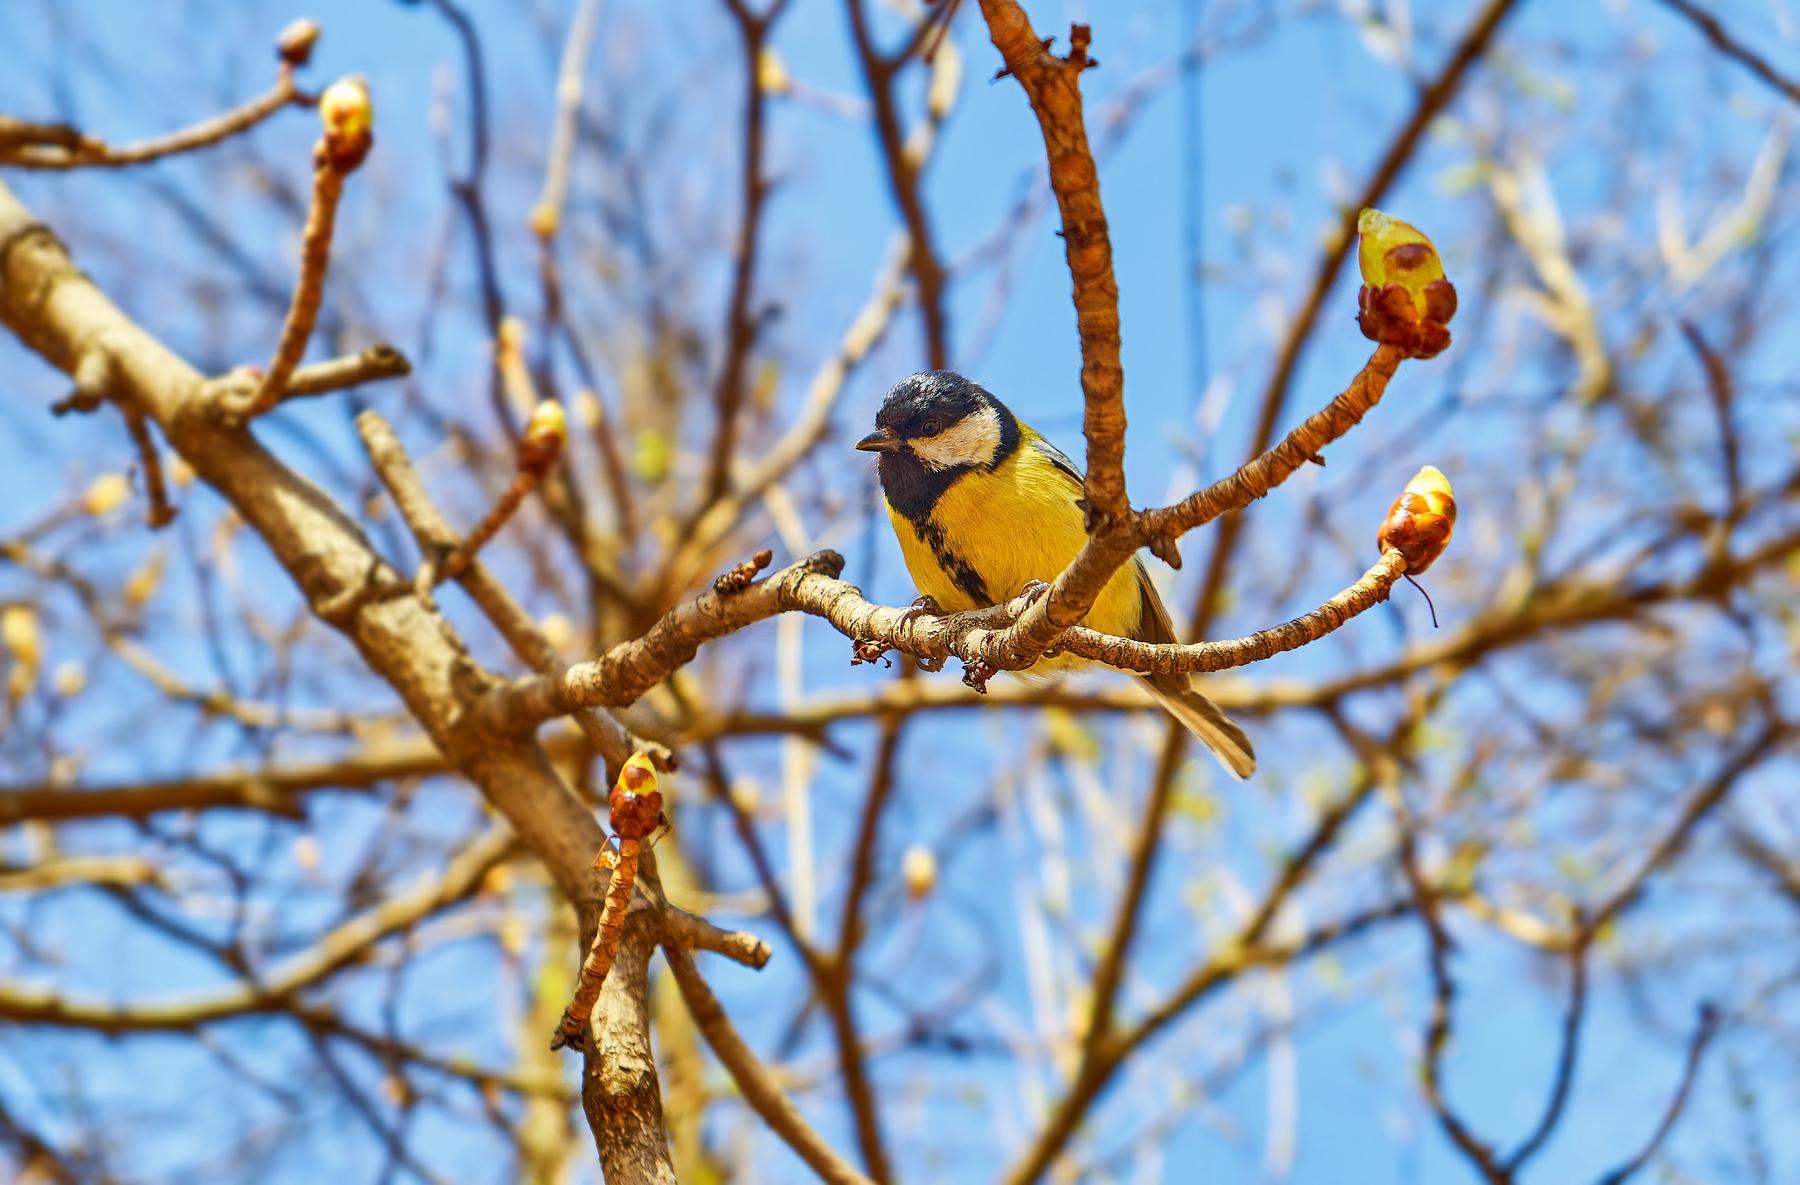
column 983, row 506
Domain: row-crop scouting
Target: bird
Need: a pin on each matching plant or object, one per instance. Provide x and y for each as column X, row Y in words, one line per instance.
column 985, row 507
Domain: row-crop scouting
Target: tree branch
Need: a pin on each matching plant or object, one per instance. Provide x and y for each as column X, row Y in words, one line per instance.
column 753, row 1080
column 278, row 990
column 1431, row 103
column 70, row 149
column 1053, row 85
column 1731, row 47
column 380, row 361
column 1704, row 1031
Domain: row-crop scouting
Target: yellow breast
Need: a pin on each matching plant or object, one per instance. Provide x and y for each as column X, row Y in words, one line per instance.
column 992, row 533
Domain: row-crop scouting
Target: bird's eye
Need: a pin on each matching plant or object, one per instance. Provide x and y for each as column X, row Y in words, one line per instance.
column 931, row 427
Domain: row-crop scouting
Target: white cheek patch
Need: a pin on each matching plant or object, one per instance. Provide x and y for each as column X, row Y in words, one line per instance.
column 972, row 440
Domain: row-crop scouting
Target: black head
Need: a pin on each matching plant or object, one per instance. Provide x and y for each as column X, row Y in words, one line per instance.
column 933, row 428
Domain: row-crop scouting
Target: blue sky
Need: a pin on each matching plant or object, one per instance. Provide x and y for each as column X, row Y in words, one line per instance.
column 1294, row 114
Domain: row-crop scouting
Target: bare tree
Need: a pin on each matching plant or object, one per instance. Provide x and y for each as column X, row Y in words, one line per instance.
column 1606, row 715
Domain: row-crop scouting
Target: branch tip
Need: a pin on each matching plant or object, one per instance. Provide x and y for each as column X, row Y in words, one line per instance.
column 740, row 576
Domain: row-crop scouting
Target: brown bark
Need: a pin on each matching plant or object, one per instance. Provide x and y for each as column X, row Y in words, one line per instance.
column 61, row 314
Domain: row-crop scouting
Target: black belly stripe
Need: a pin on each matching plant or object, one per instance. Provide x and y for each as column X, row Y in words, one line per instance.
column 964, row 576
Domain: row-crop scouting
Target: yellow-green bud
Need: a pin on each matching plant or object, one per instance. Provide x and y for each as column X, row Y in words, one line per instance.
column 349, row 119
column 1420, row 521
column 918, row 868
column 544, row 435
column 296, row 42
column 1406, row 300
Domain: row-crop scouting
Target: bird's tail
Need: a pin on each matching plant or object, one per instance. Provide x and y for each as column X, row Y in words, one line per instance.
column 1205, row 720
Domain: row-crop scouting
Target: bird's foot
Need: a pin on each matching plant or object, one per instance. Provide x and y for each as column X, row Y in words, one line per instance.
column 868, row 650
column 976, row 675
column 1033, row 590
column 923, row 606
column 1166, row 549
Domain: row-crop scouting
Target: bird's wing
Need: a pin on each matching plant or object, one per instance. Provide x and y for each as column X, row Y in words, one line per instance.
column 1199, row 715
column 1059, row 459
column 1154, row 625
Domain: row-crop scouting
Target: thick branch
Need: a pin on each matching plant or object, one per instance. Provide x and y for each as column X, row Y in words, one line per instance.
column 619, row 1089
column 1053, row 85
column 59, row 313
column 811, row 586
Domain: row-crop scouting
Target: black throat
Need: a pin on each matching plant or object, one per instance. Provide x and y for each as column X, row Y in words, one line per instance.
column 912, row 488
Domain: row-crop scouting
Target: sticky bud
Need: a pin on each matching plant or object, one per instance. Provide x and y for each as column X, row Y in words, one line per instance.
column 106, row 494
column 544, row 435
column 918, row 868
column 635, row 801
column 69, row 679
column 1405, row 300
column 746, row 795
column 295, row 45
column 771, row 73
column 509, row 338
column 1419, row 523
column 558, row 630
column 544, row 220
column 588, row 410
column 19, row 634
column 142, row 584
column 349, row 120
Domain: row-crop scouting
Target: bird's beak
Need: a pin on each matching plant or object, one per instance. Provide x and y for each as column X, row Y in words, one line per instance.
column 882, row 440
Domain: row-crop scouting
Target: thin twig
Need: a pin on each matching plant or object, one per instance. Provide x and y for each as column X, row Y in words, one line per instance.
column 1732, row 48
column 1437, row 1031
column 429, row 527
column 1719, row 384
column 309, row 290
column 156, row 488
column 740, row 323
column 546, row 216
column 37, row 146
column 380, row 361
column 1704, row 1031
column 1697, row 808
column 1431, row 102
column 753, row 1079
column 1570, row 1046
column 1127, row 654
column 467, row 192
column 504, row 507
column 904, row 169
column 571, row 1031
